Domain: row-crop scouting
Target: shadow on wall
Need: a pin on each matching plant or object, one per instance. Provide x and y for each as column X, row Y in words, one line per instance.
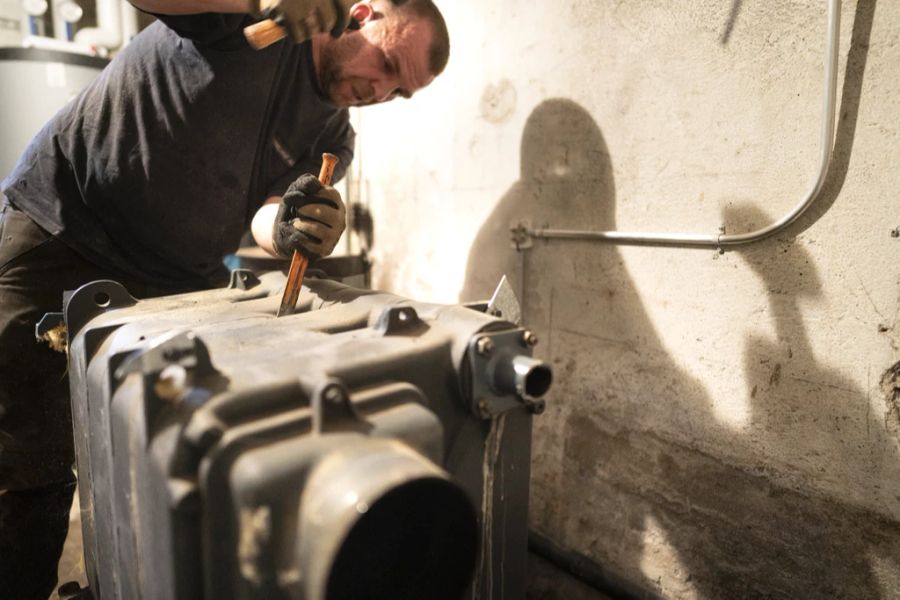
column 623, row 467
column 732, row 19
column 565, row 175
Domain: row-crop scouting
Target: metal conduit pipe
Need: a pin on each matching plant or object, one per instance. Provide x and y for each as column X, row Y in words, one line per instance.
column 108, row 32
column 586, row 570
column 720, row 240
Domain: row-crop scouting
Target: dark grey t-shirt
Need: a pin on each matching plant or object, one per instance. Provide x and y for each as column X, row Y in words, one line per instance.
column 157, row 168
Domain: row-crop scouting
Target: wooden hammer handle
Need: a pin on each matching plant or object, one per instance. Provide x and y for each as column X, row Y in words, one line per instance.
column 298, row 261
column 263, row 34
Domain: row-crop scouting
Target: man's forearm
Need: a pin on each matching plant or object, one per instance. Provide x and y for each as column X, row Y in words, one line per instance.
column 263, row 223
column 190, row 7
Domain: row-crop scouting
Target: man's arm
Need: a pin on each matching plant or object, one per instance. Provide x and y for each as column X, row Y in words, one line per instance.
column 263, row 223
column 191, row 7
column 302, row 18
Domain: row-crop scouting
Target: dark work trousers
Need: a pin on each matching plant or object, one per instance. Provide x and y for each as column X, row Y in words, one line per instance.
column 36, row 443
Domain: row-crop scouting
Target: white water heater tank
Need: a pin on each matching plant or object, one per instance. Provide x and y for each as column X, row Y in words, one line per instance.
column 35, row 84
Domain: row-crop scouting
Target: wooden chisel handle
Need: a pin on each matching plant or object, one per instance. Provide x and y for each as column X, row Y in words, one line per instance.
column 326, row 173
column 263, row 34
column 298, row 261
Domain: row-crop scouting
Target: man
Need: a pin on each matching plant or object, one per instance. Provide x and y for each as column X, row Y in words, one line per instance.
column 152, row 174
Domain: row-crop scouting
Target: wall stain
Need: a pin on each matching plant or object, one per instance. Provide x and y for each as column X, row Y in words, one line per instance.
column 710, row 507
column 582, row 445
column 775, row 377
column 890, row 384
column 498, row 102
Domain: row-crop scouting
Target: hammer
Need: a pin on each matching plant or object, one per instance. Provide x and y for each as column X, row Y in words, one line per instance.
column 268, row 31
column 299, row 262
column 263, row 34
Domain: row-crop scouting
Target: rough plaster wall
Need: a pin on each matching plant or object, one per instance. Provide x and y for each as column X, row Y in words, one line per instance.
column 722, row 425
column 10, row 23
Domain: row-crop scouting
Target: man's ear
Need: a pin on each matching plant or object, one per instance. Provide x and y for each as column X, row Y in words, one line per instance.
column 363, row 12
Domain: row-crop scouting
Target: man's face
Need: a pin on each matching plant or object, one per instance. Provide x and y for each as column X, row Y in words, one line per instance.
column 387, row 57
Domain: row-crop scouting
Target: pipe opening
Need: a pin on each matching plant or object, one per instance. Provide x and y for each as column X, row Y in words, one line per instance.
column 417, row 541
column 520, row 375
column 538, row 381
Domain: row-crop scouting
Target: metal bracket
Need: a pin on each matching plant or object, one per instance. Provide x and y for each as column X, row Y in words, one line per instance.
column 483, row 352
column 92, row 299
column 520, row 234
column 79, row 307
column 243, row 279
column 333, row 411
column 399, row 320
column 176, row 370
column 504, row 304
column 181, row 348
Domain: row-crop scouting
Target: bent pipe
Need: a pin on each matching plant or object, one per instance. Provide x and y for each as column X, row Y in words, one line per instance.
column 721, row 240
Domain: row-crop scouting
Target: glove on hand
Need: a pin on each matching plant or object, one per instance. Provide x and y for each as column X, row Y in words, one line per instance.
column 310, row 219
column 303, row 18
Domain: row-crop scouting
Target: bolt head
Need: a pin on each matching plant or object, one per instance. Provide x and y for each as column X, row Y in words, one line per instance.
column 171, row 383
column 334, row 394
column 483, row 409
column 537, row 407
column 529, row 339
column 484, row 346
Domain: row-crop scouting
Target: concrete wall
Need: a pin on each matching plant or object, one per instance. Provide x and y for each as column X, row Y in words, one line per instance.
column 722, row 426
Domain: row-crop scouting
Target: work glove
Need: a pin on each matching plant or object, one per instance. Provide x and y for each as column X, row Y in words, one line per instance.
column 310, row 219
column 303, row 18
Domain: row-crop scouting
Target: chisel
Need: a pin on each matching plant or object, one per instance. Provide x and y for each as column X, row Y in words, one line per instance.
column 298, row 261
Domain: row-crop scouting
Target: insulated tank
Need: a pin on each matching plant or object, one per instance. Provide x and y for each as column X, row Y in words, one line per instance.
column 36, row 83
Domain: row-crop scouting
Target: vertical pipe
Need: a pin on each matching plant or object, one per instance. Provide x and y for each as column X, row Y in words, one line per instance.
column 520, row 281
column 108, row 33
column 129, row 21
column 33, row 17
column 36, row 25
column 59, row 24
